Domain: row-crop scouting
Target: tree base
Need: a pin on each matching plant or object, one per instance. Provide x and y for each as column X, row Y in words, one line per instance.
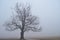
column 22, row 39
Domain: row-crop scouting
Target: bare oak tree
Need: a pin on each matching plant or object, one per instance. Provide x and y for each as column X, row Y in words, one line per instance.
column 23, row 20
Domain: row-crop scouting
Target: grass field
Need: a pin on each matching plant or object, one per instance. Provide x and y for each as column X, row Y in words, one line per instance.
column 48, row 38
column 31, row 39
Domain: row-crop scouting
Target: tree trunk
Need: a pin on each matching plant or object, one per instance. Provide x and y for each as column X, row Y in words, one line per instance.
column 22, row 36
column 22, row 29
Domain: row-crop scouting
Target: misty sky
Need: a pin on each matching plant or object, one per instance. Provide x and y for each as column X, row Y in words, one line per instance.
column 47, row 10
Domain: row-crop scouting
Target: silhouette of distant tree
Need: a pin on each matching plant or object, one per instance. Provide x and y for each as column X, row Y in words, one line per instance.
column 23, row 20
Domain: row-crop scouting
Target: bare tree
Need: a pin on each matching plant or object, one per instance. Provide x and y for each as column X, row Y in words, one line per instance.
column 23, row 20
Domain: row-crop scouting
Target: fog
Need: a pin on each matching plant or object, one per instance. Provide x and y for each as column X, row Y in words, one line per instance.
column 47, row 10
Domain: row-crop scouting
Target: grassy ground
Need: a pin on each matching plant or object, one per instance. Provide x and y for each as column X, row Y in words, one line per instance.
column 55, row 38
column 30, row 39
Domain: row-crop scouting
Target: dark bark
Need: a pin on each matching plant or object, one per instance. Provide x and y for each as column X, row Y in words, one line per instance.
column 22, row 32
column 22, row 35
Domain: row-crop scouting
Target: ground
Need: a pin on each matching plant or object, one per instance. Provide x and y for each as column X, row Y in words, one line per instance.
column 55, row 38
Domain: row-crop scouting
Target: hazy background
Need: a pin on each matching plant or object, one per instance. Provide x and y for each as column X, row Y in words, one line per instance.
column 47, row 10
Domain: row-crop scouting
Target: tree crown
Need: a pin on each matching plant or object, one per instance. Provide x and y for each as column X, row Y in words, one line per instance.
column 23, row 20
